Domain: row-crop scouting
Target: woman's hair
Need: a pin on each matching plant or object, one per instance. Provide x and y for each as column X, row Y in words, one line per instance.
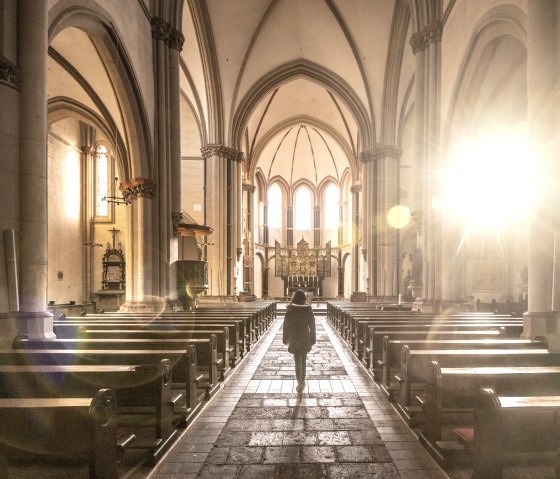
column 299, row 297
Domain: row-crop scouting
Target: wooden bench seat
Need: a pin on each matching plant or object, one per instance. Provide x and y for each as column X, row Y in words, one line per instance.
column 451, row 394
column 415, row 367
column 144, row 395
column 512, row 328
column 374, row 349
column 186, row 379
column 358, row 326
column 238, row 338
column 222, row 337
column 390, row 364
column 71, row 428
column 504, row 424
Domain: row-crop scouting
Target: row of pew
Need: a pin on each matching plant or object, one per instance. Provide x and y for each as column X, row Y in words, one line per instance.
column 463, row 381
column 116, row 386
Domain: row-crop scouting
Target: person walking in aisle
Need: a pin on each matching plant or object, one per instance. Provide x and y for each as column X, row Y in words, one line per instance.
column 299, row 333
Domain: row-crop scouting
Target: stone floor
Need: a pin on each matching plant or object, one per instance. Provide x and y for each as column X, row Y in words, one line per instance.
column 257, row 426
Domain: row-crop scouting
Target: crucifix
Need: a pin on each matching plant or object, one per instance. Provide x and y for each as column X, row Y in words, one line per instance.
column 114, row 234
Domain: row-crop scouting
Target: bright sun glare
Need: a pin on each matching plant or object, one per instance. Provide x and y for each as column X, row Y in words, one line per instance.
column 492, row 182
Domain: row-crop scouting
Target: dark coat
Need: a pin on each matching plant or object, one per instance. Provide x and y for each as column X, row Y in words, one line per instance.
column 299, row 328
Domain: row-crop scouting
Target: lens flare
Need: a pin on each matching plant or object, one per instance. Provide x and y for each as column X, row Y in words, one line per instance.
column 398, row 216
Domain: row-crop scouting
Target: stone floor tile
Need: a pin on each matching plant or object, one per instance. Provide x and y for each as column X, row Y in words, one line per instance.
column 319, row 454
column 333, row 438
column 281, row 455
column 363, row 471
column 266, row 438
column 302, row 471
column 259, row 471
column 354, row 454
column 245, row 455
column 211, row 471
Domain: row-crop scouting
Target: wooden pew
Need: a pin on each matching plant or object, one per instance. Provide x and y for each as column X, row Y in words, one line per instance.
column 392, row 349
column 374, row 350
column 239, row 338
column 204, row 358
column 415, row 368
column 71, row 428
column 356, row 325
column 451, row 394
column 504, row 424
column 144, row 394
column 194, row 380
column 183, row 361
column 511, row 328
column 255, row 321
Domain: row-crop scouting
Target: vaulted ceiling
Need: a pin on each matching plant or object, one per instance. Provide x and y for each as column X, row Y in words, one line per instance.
column 259, row 73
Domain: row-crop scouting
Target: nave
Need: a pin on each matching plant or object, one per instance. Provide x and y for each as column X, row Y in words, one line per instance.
column 255, row 427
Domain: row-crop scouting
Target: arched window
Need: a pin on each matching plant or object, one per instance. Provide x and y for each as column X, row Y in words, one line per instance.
column 274, row 198
column 331, row 206
column 303, row 207
column 102, row 170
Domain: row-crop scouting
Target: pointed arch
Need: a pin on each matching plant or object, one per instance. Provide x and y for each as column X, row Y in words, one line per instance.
column 98, row 24
column 309, row 71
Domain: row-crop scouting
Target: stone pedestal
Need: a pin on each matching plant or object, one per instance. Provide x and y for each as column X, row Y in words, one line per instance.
column 110, row 299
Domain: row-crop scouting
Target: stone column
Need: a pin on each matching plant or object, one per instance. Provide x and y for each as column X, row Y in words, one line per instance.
column 87, row 141
column 248, row 258
column 387, row 157
column 369, row 220
column 355, row 190
column 34, row 320
column 427, row 50
column 139, row 192
column 222, row 214
column 167, row 43
column 542, row 74
column 176, row 40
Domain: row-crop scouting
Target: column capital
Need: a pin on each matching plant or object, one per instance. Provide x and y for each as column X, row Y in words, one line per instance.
column 429, row 34
column 160, row 29
column 137, row 188
column 249, row 187
column 380, row 152
column 356, row 188
column 9, row 73
column 176, row 39
column 226, row 152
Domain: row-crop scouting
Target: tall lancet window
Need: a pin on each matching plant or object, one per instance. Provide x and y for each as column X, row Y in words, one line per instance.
column 274, row 198
column 102, row 170
column 303, row 208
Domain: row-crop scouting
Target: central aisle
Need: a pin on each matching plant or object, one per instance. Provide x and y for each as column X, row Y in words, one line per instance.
column 257, row 427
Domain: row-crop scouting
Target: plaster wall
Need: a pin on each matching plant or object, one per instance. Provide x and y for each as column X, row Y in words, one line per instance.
column 192, row 193
column 65, row 271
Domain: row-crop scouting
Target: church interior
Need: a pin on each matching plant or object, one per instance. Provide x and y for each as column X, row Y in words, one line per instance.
column 173, row 171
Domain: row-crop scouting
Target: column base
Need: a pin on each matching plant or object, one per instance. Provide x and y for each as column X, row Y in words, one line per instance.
column 543, row 325
column 35, row 325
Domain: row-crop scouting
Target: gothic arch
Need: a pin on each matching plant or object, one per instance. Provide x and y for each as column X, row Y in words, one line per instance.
column 315, row 124
column 98, row 24
column 309, row 71
column 501, row 21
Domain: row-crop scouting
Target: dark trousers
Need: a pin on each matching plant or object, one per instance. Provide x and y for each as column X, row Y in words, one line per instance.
column 300, row 359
